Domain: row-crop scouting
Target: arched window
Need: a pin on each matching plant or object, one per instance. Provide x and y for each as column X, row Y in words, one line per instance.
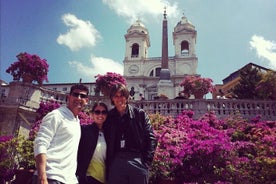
column 184, row 48
column 135, row 50
column 151, row 73
column 155, row 72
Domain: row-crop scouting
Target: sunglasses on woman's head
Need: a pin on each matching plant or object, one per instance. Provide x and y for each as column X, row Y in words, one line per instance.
column 98, row 112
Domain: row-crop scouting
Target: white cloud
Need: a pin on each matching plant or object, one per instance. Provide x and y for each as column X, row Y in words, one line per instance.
column 265, row 49
column 99, row 65
column 80, row 34
column 134, row 9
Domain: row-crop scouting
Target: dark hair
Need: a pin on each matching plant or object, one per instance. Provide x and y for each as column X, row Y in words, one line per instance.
column 96, row 104
column 119, row 88
column 80, row 87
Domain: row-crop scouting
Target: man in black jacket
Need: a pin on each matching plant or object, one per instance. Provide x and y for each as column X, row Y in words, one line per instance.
column 131, row 142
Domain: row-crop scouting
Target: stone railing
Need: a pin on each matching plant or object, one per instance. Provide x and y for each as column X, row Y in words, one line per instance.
column 22, row 102
column 28, row 96
column 221, row 107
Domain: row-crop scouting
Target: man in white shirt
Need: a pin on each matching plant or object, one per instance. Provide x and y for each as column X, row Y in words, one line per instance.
column 56, row 144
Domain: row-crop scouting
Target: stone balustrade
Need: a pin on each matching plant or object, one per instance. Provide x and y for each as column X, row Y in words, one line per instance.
column 32, row 96
column 221, row 107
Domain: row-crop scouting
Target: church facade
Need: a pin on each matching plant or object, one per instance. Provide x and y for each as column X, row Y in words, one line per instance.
column 152, row 77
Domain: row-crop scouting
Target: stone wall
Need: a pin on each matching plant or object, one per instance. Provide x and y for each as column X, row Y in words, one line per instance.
column 15, row 119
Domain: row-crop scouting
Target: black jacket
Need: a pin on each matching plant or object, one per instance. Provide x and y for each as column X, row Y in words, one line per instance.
column 142, row 132
column 87, row 145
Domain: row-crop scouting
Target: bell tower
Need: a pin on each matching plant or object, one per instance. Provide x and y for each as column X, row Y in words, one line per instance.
column 136, row 53
column 137, row 42
column 184, row 40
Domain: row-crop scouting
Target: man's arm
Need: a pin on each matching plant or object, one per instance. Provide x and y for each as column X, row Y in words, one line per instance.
column 40, row 160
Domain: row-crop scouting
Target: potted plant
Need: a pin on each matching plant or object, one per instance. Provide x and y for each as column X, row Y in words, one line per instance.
column 197, row 86
column 29, row 68
column 25, row 160
column 7, row 164
column 17, row 159
column 105, row 82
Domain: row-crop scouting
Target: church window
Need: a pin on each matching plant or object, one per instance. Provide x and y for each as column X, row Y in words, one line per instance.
column 135, row 50
column 155, row 72
column 184, row 48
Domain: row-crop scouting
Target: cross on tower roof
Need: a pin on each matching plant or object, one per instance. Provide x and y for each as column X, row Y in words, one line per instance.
column 165, row 14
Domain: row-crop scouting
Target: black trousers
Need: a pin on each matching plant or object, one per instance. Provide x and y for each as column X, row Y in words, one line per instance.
column 127, row 168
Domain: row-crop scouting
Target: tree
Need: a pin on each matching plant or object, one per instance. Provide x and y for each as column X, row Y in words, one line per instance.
column 249, row 79
column 266, row 88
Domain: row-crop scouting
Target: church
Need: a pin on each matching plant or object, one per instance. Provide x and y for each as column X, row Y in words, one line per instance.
column 152, row 77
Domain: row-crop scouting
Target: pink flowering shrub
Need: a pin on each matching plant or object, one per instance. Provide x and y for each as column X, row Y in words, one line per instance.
column 196, row 85
column 209, row 150
column 30, row 64
column 255, row 152
column 44, row 108
column 85, row 119
column 105, row 82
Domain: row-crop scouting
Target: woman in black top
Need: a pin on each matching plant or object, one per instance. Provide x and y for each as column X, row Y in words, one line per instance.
column 92, row 148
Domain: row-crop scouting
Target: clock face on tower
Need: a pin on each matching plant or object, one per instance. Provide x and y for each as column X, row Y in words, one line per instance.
column 133, row 69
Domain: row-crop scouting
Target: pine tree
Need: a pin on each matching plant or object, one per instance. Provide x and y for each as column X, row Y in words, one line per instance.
column 249, row 78
column 266, row 88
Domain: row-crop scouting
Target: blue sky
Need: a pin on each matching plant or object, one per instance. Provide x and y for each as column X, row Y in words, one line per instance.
column 83, row 38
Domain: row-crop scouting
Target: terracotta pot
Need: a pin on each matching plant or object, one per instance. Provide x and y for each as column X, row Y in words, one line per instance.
column 198, row 95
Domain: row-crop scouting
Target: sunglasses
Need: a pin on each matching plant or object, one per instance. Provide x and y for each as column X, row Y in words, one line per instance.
column 74, row 94
column 98, row 112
